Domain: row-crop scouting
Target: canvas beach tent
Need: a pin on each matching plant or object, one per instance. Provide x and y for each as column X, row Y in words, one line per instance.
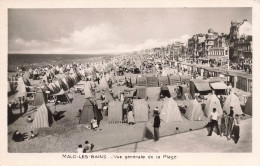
column 170, row 111
column 153, row 93
column 164, row 80
column 199, row 86
column 87, row 113
column 165, row 91
column 141, row 81
column 115, row 111
column 141, row 110
column 88, row 92
column 194, row 111
column 39, row 98
column 248, row 106
column 65, row 84
column 141, row 92
column 212, row 102
column 232, row 101
column 185, row 79
column 152, row 81
column 174, row 79
column 103, row 84
column 62, row 96
column 21, row 89
column 43, row 117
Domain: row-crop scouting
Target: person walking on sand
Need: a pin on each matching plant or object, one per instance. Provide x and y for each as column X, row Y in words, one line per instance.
column 214, row 121
column 156, row 125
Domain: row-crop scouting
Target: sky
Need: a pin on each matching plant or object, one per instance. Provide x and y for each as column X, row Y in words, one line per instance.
column 115, row 30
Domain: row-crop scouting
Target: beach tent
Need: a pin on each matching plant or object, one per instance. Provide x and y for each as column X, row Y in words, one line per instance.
column 165, row 91
column 43, row 117
column 77, row 103
column 69, row 81
column 152, row 81
column 199, row 86
column 108, row 96
column 248, row 106
column 45, row 79
column 88, row 92
column 141, row 110
column 62, row 96
column 141, row 92
column 39, row 98
column 112, row 77
column 194, row 111
column 141, row 81
column 65, row 84
column 115, row 111
column 21, row 88
column 212, row 102
column 185, row 79
column 103, row 84
column 153, row 104
column 170, row 111
column 174, row 79
column 153, row 93
column 87, row 113
column 232, row 101
column 164, row 80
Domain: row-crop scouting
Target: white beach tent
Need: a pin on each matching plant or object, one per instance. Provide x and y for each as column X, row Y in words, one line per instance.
column 170, row 111
column 212, row 102
column 232, row 101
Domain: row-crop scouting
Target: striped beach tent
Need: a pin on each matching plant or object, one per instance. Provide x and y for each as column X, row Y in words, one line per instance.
column 170, row 111
column 43, row 117
column 194, row 111
column 152, row 81
column 115, row 111
column 164, row 80
column 39, row 98
column 174, row 79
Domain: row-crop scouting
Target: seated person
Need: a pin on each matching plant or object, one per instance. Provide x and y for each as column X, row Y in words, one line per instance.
column 94, row 123
column 87, row 148
column 17, row 136
column 29, row 119
column 80, row 149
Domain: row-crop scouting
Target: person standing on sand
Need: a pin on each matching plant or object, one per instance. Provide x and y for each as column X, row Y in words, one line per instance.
column 214, row 121
column 156, row 125
column 130, row 117
column 236, row 128
column 230, row 123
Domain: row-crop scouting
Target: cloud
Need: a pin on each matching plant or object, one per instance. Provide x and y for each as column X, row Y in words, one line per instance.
column 101, row 38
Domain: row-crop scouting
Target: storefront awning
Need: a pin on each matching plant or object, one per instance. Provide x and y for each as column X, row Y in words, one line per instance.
column 202, row 86
column 218, row 85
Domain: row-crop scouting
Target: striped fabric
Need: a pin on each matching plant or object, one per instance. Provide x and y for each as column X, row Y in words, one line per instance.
column 115, row 111
column 141, row 92
column 141, row 81
column 152, row 81
column 43, row 117
column 140, row 110
column 174, row 79
column 163, row 80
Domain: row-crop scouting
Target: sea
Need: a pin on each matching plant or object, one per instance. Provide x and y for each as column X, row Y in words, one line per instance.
column 37, row 60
